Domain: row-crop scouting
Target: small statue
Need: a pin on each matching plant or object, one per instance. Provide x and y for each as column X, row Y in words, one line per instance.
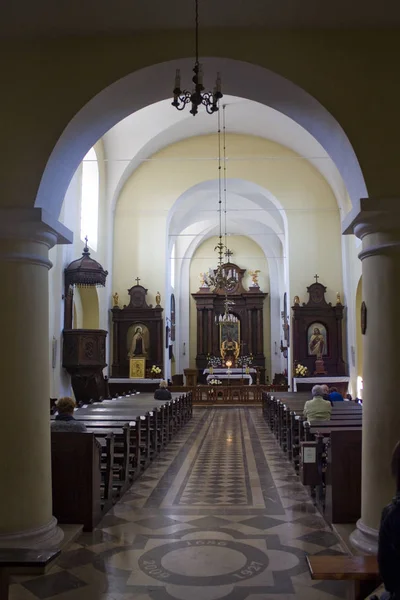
column 254, row 277
column 203, row 283
column 338, row 300
column 115, row 299
column 158, row 298
column 296, row 300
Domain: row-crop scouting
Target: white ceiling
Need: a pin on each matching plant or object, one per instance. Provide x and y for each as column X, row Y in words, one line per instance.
column 145, row 132
column 85, row 17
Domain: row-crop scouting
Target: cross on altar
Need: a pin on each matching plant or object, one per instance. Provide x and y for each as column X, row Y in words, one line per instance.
column 137, row 280
column 316, row 277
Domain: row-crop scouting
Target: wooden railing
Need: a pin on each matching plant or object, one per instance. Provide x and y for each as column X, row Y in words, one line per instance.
column 228, row 394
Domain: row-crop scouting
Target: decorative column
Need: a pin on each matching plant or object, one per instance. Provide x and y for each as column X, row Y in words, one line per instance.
column 25, row 463
column 377, row 224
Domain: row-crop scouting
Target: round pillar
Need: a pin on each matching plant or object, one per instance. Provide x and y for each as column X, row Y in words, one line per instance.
column 25, row 462
column 380, row 256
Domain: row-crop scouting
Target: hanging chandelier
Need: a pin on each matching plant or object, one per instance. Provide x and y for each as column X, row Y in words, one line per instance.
column 224, row 277
column 198, row 96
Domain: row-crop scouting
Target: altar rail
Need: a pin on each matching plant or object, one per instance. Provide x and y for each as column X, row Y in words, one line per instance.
column 228, row 394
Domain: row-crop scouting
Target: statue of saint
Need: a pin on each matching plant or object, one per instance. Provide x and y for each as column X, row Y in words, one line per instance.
column 338, row 299
column 158, row 298
column 203, row 283
column 254, row 277
column 296, row 300
column 137, row 345
column 230, row 349
column 115, row 299
column 316, row 344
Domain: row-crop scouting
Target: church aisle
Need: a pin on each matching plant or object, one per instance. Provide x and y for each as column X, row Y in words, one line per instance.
column 220, row 514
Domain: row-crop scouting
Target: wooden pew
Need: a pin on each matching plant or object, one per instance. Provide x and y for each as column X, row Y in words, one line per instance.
column 76, row 478
column 25, row 561
column 363, row 571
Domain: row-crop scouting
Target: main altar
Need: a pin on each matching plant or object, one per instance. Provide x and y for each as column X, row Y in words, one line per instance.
column 230, row 327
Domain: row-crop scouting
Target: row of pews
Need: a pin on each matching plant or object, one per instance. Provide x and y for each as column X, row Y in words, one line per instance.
column 91, row 471
column 325, row 454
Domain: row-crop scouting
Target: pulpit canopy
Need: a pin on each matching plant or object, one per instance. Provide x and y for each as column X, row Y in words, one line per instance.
column 85, row 271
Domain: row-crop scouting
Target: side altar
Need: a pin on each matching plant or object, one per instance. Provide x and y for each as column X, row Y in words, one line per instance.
column 137, row 336
column 232, row 335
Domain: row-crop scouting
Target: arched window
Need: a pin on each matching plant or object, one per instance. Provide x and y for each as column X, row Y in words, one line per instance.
column 90, row 198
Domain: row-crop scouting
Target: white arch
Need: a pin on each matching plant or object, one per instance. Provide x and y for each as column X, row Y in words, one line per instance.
column 152, row 84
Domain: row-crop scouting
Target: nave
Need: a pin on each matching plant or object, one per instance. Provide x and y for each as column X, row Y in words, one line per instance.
column 220, row 514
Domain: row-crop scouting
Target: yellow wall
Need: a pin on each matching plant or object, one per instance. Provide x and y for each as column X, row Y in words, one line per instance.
column 350, row 72
column 142, row 210
column 90, row 308
column 247, row 255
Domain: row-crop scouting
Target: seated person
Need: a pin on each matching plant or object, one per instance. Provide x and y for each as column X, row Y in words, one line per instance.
column 349, row 398
column 317, row 409
column 325, row 389
column 64, row 420
column 389, row 537
column 163, row 392
column 334, row 395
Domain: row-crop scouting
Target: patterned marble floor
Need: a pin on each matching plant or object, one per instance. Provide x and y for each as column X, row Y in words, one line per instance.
column 220, row 515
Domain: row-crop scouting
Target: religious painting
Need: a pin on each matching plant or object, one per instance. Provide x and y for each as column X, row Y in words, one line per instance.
column 138, row 341
column 137, row 368
column 229, row 335
column 317, row 340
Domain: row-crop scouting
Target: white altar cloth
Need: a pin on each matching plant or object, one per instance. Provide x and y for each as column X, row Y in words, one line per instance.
column 318, row 380
column 234, row 371
column 230, row 376
column 127, row 380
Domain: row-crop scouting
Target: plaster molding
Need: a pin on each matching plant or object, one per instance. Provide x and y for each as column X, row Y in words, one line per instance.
column 46, row 536
column 374, row 215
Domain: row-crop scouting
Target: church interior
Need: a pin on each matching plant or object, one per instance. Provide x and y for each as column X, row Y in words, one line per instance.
column 228, row 249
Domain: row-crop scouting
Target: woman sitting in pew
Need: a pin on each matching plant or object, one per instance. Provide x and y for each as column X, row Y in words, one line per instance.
column 317, row 409
column 163, row 392
column 64, row 420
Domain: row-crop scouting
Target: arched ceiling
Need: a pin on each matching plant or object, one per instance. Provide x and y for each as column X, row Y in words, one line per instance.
column 136, row 138
column 44, row 18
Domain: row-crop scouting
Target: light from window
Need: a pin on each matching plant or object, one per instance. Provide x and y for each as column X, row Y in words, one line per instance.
column 90, row 198
column 173, row 266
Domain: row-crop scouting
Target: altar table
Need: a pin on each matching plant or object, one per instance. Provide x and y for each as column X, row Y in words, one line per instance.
column 318, row 380
column 235, row 373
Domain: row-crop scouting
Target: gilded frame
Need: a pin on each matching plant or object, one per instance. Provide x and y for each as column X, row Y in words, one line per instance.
column 137, row 368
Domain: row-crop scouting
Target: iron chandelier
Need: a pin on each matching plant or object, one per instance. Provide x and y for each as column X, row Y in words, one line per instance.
column 198, row 96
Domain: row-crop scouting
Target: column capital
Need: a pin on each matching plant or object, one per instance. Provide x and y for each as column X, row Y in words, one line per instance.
column 26, row 235
column 377, row 223
column 373, row 215
column 33, row 224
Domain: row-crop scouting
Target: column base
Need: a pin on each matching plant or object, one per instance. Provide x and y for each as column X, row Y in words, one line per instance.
column 365, row 539
column 49, row 536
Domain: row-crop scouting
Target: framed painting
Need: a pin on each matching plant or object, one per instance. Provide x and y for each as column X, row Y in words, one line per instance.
column 317, row 340
column 137, row 368
column 138, row 341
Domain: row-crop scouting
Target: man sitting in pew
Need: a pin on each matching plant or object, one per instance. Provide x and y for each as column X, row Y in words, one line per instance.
column 163, row 392
column 317, row 409
column 334, row 395
column 64, row 420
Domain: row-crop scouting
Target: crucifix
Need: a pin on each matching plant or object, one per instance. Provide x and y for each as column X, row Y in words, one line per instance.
column 228, row 254
column 137, row 280
column 316, row 277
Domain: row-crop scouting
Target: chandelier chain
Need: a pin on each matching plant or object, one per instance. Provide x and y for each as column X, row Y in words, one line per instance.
column 197, row 30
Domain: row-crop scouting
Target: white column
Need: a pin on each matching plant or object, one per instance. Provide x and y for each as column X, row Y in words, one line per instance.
column 377, row 224
column 25, row 464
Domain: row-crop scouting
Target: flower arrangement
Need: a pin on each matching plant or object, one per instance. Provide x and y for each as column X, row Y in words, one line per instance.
column 155, row 370
column 213, row 361
column 245, row 361
column 215, row 382
column 300, row 371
